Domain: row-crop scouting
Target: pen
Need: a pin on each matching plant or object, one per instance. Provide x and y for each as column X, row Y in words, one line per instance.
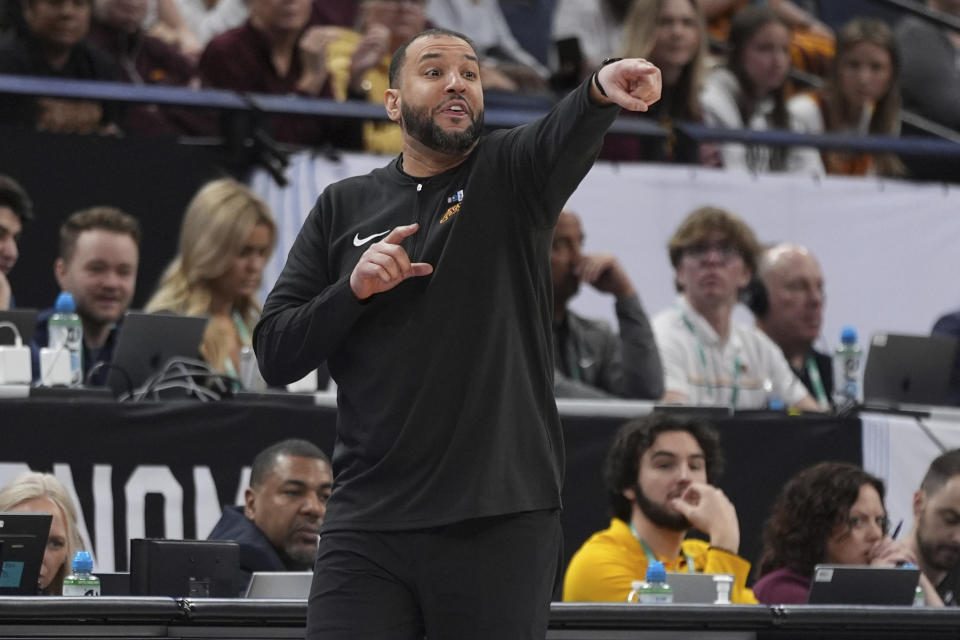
column 896, row 531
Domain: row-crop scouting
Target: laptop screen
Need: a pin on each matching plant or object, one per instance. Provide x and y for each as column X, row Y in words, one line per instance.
column 855, row 584
column 23, row 540
column 906, row 369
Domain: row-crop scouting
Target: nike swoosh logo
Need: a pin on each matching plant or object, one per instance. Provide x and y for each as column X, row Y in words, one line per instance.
column 359, row 242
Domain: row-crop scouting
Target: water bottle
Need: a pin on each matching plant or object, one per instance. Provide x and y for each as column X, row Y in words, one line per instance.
column 66, row 334
column 846, row 369
column 919, row 597
column 655, row 589
column 81, row 582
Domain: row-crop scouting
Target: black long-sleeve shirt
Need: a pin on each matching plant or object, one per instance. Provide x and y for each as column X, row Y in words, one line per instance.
column 445, row 382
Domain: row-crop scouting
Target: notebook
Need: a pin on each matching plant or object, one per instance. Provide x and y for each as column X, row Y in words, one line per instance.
column 147, row 341
column 277, row 585
column 23, row 539
column 694, row 588
column 855, row 584
column 25, row 320
column 906, row 369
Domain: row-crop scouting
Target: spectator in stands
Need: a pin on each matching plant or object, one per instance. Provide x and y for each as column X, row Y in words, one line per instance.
column 708, row 359
column 671, row 35
column 931, row 65
column 832, row 513
column 359, row 62
column 585, row 32
column 55, row 45
column 935, row 536
column 15, row 210
column 750, row 93
column 276, row 51
column 660, row 475
column 43, row 493
column 592, row 361
column 144, row 59
column 99, row 254
column 949, row 325
column 506, row 65
column 861, row 96
column 226, row 238
column 787, row 299
column 278, row 525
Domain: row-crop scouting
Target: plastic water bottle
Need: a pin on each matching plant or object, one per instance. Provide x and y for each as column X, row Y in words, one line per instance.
column 81, row 582
column 655, row 589
column 846, row 368
column 66, row 333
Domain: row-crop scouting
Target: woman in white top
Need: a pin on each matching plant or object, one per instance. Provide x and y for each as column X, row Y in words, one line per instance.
column 750, row 93
column 861, row 96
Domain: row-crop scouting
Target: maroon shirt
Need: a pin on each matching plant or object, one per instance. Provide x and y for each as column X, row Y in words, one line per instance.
column 239, row 59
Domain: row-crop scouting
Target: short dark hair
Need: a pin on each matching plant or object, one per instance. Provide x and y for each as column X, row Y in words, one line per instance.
column 105, row 218
column 940, row 471
column 266, row 460
column 622, row 464
column 807, row 511
column 400, row 55
column 15, row 198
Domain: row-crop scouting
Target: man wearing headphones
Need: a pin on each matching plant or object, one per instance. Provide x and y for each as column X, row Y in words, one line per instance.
column 787, row 299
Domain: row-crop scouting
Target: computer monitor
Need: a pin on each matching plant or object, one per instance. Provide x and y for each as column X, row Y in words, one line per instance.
column 147, row 341
column 905, row 369
column 184, row 568
column 23, row 539
column 25, row 320
column 856, row 584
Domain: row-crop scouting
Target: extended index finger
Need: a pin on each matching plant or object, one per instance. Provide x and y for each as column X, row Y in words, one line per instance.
column 399, row 233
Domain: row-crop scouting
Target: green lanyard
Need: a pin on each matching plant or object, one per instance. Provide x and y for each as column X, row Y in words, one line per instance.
column 735, row 391
column 652, row 557
column 813, row 372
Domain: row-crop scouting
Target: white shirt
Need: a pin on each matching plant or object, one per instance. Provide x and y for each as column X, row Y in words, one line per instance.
column 592, row 22
column 749, row 365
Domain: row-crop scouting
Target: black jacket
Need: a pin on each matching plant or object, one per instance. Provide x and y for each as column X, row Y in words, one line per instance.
column 256, row 552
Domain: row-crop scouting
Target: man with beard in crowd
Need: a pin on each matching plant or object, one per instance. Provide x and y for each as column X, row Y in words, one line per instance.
column 425, row 285
column 660, row 474
column 935, row 537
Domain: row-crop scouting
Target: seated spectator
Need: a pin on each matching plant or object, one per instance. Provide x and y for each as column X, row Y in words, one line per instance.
column 949, row 325
column 931, row 65
column 359, row 62
column 278, row 525
column 830, row 513
column 99, row 254
column 708, row 359
column 750, row 93
column 861, row 96
column 277, row 51
column 144, row 60
column 585, row 32
column 935, row 536
column 15, row 210
column 54, row 44
column 592, row 361
column 660, row 476
column 226, row 238
column 207, row 19
column 505, row 65
column 671, row 35
column 43, row 493
column 787, row 299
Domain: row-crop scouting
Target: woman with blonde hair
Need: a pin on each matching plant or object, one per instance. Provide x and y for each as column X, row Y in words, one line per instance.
column 228, row 234
column 672, row 35
column 861, row 96
column 43, row 493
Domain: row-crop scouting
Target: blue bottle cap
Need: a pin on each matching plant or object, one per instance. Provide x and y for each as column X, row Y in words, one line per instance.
column 65, row 303
column 656, row 572
column 848, row 335
column 82, row 561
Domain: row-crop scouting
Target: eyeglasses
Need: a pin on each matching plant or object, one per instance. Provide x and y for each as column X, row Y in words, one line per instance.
column 724, row 250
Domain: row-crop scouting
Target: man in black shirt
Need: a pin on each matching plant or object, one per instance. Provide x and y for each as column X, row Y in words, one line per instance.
column 935, row 537
column 426, row 286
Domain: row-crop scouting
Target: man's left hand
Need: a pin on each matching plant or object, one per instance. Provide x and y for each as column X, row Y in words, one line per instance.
column 604, row 273
column 634, row 84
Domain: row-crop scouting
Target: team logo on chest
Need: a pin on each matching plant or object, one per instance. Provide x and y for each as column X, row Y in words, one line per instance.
column 456, row 200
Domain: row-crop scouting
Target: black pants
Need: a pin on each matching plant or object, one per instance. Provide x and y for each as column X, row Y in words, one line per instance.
column 484, row 578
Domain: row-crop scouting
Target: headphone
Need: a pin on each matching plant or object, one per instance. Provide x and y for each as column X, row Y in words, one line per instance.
column 754, row 295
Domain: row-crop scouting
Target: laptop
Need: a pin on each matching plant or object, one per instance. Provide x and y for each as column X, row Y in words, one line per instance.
column 695, row 588
column 25, row 320
column 23, row 539
column 147, row 341
column 279, row 585
column 184, row 568
column 855, row 584
column 908, row 369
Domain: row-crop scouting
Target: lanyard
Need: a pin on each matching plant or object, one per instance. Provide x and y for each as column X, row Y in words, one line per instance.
column 735, row 391
column 813, row 372
column 651, row 556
